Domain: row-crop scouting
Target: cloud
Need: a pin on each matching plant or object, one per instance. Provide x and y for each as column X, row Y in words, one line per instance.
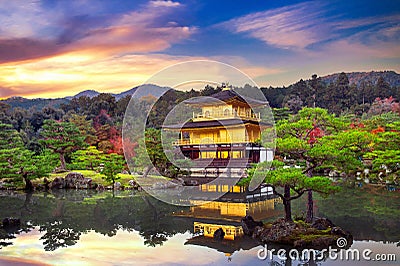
column 24, row 19
column 70, row 73
column 26, row 48
column 168, row 3
column 7, row 92
column 146, row 29
column 250, row 69
column 286, row 27
column 308, row 26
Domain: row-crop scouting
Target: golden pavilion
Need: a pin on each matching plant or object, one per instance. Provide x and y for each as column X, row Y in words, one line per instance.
column 223, row 138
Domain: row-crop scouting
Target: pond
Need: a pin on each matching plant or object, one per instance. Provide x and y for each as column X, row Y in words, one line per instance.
column 83, row 227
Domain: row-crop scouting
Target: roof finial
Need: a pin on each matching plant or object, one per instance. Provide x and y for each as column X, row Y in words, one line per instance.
column 225, row 86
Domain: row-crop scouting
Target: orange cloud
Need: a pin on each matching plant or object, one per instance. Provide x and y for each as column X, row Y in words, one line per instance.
column 107, row 56
column 70, row 73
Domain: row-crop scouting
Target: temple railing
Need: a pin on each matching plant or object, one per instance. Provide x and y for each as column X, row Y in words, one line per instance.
column 226, row 115
column 205, row 141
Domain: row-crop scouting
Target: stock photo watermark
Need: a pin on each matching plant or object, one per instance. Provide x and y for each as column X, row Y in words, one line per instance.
column 334, row 254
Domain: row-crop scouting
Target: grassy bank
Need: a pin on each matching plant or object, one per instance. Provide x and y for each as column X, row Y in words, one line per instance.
column 98, row 178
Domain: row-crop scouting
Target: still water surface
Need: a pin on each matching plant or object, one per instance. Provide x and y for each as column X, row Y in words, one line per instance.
column 131, row 228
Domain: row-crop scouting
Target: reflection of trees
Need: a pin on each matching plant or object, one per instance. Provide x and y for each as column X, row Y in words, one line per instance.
column 65, row 217
column 143, row 213
column 368, row 213
column 68, row 214
column 58, row 235
column 17, row 209
column 4, row 236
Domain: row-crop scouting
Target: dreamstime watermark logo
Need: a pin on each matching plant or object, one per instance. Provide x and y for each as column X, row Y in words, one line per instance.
column 179, row 143
column 339, row 253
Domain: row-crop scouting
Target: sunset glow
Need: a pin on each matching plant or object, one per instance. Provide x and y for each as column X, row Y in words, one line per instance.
column 59, row 49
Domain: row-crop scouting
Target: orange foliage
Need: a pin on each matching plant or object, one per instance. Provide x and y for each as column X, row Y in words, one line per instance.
column 378, row 130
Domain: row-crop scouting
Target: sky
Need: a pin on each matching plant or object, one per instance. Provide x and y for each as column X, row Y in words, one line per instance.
column 54, row 49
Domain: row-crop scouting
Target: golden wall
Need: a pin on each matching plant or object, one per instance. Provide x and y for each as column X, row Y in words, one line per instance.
column 227, row 135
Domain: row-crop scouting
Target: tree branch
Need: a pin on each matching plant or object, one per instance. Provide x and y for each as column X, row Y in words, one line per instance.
column 299, row 194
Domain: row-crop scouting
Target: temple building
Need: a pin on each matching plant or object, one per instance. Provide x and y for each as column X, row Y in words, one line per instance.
column 223, row 138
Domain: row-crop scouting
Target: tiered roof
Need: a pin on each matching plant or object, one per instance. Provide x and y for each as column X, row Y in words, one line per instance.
column 224, row 96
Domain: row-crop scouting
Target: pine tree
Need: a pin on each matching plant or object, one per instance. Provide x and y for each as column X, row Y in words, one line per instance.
column 62, row 138
column 114, row 163
column 18, row 163
column 10, row 146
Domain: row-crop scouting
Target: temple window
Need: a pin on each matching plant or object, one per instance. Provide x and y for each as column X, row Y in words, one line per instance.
column 226, row 112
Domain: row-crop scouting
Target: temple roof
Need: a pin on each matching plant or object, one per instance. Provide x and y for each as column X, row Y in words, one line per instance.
column 225, row 246
column 214, row 123
column 225, row 96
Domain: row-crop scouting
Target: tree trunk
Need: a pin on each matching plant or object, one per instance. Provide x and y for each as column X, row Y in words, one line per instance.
column 62, row 159
column 310, row 207
column 28, row 183
column 25, row 210
column 310, row 203
column 147, row 171
column 287, row 204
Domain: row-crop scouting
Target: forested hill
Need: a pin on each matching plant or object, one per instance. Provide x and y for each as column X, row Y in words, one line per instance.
column 372, row 77
column 354, row 92
column 40, row 103
column 344, row 92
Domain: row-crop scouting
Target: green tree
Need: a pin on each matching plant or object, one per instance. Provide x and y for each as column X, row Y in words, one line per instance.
column 293, row 182
column 89, row 158
column 62, row 138
column 18, row 163
column 34, row 166
column 385, row 155
column 113, row 165
column 10, row 146
column 298, row 140
column 85, row 128
column 150, row 152
column 103, row 101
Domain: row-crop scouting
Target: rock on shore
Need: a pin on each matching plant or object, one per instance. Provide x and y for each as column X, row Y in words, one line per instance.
column 321, row 234
column 72, row 180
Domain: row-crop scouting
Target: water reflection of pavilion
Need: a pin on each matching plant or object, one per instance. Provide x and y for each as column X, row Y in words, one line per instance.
column 226, row 214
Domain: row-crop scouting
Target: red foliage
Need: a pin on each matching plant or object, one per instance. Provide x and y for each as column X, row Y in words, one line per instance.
column 101, row 119
column 104, row 131
column 380, row 106
column 129, row 148
column 315, row 133
column 357, row 124
column 117, row 145
column 378, row 130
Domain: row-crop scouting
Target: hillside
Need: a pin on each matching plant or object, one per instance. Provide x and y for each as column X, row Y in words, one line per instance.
column 357, row 78
column 149, row 89
column 87, row 93
column 390, row 77
column 38, row 103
